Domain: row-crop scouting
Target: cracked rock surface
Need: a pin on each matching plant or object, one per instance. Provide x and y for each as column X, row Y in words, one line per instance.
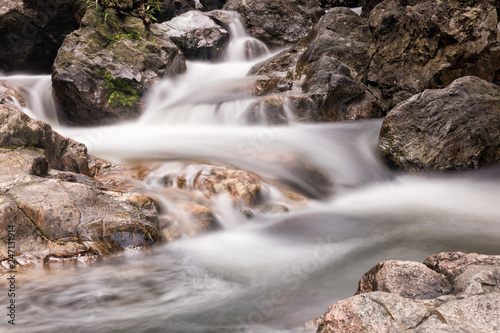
column 448, row 292
column 56, row 207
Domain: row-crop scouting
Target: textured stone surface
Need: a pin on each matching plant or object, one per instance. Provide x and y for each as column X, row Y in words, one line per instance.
column 32, row 31
column 280, row 22
column 419, row 45
column 329, row 65
column 62, row 214
column 103, row 69
column 472, row 304
column 19, row 130
column 406, row 278
column 197, row 35
column 455, row 128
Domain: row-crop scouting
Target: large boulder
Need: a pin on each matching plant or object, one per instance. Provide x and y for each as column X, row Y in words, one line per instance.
column 56, row 211
column 197, row 35
column 329, row 65
column 456, row 128
column 31, row 32
column 419, row 45
column 280, row 22
column 413, row 300
column 103, row 69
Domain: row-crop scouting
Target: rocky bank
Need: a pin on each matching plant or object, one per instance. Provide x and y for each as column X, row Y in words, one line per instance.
column 448, row 292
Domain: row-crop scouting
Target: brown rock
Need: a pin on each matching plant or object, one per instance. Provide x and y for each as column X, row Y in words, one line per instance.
column 19, row 130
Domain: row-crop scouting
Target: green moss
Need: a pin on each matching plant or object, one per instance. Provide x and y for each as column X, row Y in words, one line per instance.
column 121, row 93
column 133, row 35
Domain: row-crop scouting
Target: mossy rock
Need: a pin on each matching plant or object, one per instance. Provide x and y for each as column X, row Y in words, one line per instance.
column 103, row 69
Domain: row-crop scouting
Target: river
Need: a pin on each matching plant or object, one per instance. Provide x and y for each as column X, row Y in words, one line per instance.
column 272, row 273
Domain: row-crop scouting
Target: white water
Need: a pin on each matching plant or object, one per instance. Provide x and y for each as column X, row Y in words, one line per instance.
column 272, row 273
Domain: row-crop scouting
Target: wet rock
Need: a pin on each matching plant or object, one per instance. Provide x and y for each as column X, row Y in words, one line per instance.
column 470, row 305
column 282, row 109
column 31, row 32
column 9, row 95
column 19, row 130
column 62, row 214
column 241, row 186
column 197, row 35
column 279, row 22
column 419, row 45
column 329, row 65
column 455, row 128
column 103, row 69
column 406, row 278
column 55, row 218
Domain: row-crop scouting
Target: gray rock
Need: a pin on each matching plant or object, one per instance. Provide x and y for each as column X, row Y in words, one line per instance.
column 455, row 128
column 279, row 22
column 31, row 32
column 197, row 35
column 329, row 65
column 103, row 69
column 420, row 45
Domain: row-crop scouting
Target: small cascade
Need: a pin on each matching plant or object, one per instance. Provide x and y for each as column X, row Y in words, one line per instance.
column 243, row 47
column 37, row 92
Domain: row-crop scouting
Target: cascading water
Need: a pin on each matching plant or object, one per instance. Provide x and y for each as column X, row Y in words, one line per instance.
column 272, row 273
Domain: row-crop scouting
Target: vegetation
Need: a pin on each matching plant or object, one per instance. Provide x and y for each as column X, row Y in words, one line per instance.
column 120, row 92
column 144, row 8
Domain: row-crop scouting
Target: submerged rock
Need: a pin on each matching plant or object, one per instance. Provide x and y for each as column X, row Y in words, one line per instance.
column 455, row 128
column 197, row 35
column 413, row 300
column 282, row 109
column 103, row 69
column 31, row 32
column 419, row 45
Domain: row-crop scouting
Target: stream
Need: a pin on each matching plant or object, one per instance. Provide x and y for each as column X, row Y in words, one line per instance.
column 275, row 272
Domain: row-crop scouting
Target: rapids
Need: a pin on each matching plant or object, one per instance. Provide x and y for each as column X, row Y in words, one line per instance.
column 273, row 273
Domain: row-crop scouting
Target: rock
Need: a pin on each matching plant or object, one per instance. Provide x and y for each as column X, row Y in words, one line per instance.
column 367, row 6
column 471, row 304
column 329, row 65
column 282, row 109
column 452, row 264
column 241, row 186
column 279, row 22
column 340, row 3
column 9, row 95
column 103, row 69
column 62, row 214
column 419, row 45
column 409, row 279
column 19, row 130
column 197, row 35
column 373, row 312
column 456, row 128
column 31, row 32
